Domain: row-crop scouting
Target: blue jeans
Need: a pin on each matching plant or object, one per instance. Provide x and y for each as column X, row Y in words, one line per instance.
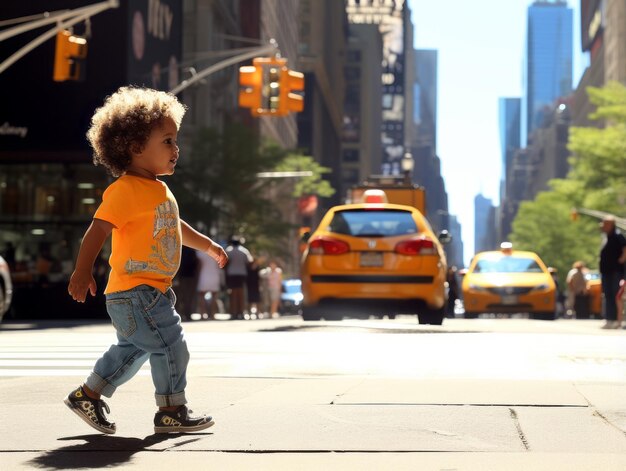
column 610, row 287
column 147, row 326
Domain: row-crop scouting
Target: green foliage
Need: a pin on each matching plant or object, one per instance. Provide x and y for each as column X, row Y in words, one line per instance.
column 313, row 185
column 544, row 226
column 598, row 159
column 597, row 180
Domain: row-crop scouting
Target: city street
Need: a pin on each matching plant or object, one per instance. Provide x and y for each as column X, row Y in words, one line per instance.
column 501, row 394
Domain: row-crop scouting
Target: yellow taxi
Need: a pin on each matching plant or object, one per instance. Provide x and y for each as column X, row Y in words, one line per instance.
column 374, row 258
column 509, row 281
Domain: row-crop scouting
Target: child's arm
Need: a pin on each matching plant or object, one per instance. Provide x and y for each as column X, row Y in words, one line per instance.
column 82, row 278
column 198, row 241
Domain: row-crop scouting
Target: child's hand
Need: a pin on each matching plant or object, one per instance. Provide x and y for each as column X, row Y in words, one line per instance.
column 218, row 253
column 79, row 284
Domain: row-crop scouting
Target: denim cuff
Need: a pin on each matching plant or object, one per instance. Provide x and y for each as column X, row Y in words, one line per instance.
column 100, row 385
column 176, row 399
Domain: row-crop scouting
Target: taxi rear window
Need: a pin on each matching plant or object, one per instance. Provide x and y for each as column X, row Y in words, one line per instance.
column 507, row 265
column 373, row 223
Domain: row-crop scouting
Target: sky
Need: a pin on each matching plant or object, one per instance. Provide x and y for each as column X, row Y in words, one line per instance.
column 480, row 47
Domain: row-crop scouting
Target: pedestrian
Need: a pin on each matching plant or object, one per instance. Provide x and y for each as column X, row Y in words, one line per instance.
column 577, row 291
column 253, row 288
column 185, row 282
column 453, row 290
column 236, row 275
column 612, row 260
column 133, row 136
column 620, row 302
column 273, row 275
column 210, row 282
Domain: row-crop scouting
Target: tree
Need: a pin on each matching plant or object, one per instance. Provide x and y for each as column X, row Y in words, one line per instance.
column 598, row 159
column 544, row 226
column 597, row 180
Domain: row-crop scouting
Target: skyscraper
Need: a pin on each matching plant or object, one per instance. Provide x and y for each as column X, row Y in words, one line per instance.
column 548, row 61
column 509, row 115
column 484, row 224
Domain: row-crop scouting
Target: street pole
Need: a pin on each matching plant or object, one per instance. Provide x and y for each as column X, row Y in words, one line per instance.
column 257, row 51
column 619, row 222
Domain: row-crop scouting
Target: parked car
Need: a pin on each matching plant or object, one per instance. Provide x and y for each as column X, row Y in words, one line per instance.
column 374, row 258
column 6, row 288
column 291, row 297
column 509, row 281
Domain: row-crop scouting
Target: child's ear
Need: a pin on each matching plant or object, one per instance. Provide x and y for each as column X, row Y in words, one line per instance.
column 136, row 148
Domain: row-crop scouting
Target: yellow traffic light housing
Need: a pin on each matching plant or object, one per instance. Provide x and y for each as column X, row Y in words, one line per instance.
column 69, row 57
column 250, row 82
column 292, row 81
column 265, row 87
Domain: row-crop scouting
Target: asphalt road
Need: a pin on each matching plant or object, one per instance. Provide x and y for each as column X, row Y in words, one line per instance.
column 502, row 394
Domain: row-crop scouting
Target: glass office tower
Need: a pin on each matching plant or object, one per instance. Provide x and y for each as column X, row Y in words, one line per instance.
column 509, row 116
column 548, row 67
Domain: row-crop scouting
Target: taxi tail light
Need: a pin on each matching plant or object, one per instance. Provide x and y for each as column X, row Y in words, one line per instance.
column 328, row 246
column 421, row 246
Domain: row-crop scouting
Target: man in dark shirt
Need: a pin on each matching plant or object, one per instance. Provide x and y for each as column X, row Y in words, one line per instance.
column 612, row 259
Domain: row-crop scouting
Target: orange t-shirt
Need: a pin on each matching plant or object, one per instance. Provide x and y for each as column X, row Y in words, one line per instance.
column 146, row 243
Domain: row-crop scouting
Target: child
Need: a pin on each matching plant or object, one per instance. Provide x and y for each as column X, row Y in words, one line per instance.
column 134, row 137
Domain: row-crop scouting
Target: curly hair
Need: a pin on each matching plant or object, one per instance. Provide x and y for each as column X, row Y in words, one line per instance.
column 126, row 119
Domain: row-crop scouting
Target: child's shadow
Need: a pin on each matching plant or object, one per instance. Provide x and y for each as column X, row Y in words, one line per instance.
column 100, row 451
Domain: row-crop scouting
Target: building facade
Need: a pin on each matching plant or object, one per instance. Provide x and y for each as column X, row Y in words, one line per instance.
column 603, row 37
column 509, row 116
column 361, row 152
column 391, row 19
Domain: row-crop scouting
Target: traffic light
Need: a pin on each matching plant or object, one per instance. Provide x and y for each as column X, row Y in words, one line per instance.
column 250, row 82
column 265, row 87
column 291, row 81
column 69, row 57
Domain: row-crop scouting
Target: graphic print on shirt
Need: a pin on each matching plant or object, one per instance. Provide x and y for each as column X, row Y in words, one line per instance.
column 165, row 255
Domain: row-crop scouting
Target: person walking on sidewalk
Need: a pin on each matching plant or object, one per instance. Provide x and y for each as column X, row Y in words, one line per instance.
column 236, row 276
column 612, row 260
column 210, row 281
column 133, row 136
column 577, row 291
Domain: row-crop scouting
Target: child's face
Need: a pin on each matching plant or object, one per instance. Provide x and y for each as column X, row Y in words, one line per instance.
column 160, row 152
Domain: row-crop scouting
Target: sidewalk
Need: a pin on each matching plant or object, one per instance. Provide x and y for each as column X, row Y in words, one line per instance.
column 328, row 423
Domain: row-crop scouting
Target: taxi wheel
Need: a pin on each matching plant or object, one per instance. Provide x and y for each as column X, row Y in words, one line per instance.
column 431, row 316
column 310, row 314
column 543, row 316
column 470, row 315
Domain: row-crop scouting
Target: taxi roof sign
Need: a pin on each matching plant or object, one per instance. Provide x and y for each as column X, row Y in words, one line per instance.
column 374, row 196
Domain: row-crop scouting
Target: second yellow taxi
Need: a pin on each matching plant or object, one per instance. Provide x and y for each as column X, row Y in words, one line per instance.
column 509, row 281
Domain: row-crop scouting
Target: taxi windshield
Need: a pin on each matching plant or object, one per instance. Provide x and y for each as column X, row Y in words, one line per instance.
column 507, row 265
column 373, row 223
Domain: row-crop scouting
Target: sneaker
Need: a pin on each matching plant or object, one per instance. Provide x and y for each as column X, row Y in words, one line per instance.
column 610, row 325
column 90, row 410
column 180, row 421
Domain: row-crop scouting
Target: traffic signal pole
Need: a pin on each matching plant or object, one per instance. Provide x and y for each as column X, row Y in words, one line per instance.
column 619, row 222
column 64, row 20
column 272, row 48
